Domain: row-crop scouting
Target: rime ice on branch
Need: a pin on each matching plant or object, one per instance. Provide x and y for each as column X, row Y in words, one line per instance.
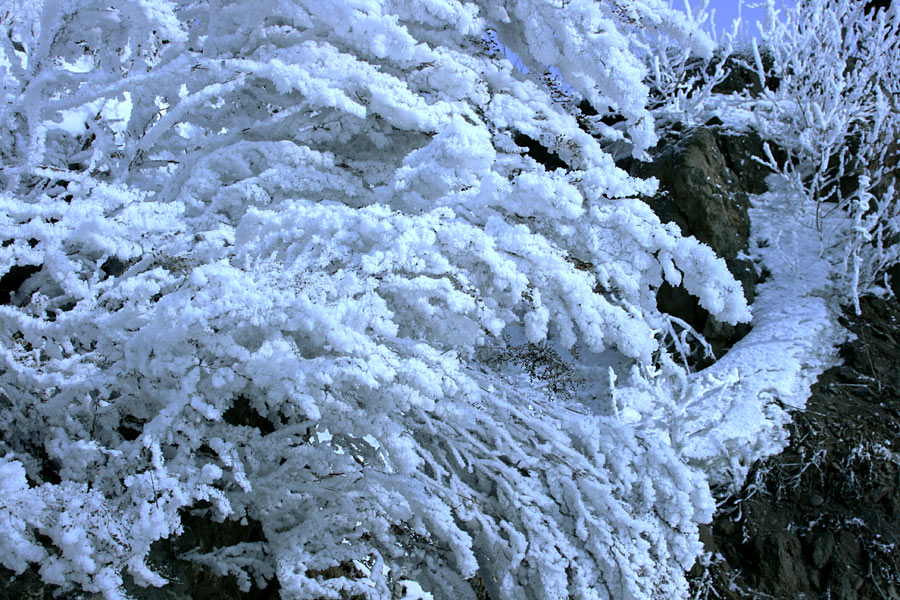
column 273, row 251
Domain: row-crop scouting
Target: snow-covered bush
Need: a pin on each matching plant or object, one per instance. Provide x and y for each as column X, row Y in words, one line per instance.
column 681, row 79
column 835, row 112
column 279, row 262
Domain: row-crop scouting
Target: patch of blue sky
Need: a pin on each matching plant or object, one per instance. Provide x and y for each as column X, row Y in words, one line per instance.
column 752, row 14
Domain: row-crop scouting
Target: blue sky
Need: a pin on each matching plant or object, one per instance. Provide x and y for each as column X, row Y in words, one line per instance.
column 727, row 11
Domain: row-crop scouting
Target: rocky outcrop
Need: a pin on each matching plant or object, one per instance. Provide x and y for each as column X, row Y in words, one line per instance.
column 742, row 78
column 699, row 191
column 705, row 177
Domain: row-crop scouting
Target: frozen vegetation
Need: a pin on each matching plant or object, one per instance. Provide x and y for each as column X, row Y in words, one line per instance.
column 283, row 264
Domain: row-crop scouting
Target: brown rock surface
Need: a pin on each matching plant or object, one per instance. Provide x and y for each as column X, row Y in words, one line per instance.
column 705, row 177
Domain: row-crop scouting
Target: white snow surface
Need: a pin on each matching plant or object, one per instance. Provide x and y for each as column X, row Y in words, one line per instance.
column 748, row 395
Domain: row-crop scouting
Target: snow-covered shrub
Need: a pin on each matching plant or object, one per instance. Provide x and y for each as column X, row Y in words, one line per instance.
column 681, row 78
column 835, row 112
column 262, row 257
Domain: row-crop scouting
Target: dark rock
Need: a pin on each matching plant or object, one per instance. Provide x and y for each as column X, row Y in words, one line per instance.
column 699, row 192
column 677, row 301
column 743, row 79
column 780, row 565
column 740, row 152
column 739, row 79
column 13, row 279
column 705, row 177
column 823, row 548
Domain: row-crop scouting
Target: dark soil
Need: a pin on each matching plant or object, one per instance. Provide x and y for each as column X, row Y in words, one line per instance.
column 822, row 519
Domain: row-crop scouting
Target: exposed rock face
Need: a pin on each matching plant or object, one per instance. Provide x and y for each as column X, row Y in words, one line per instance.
column 699, row 192
column 822, row 520
column 738, row 151
column 705, row 177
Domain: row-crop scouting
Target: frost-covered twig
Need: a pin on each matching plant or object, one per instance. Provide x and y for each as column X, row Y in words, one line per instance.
column 837, row 69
